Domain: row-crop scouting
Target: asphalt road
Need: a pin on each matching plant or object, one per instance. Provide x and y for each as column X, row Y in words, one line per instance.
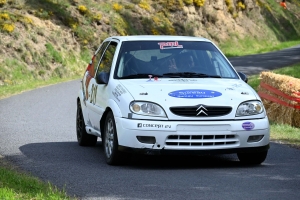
column 254, row 64
column 37, row 133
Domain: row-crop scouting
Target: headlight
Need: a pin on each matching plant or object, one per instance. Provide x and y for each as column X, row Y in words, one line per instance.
column 249, row 108
column 147, row 108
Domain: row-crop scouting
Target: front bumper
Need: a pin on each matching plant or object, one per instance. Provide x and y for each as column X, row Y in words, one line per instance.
column 193, row 152
column 192, row 136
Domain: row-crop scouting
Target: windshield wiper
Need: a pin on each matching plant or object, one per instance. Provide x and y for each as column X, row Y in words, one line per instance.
column 207, row 76
column 140, row 76
column 190, row 75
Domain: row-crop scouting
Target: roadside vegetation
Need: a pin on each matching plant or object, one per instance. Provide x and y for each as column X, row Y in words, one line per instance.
column 15, row 185
column 47, row 41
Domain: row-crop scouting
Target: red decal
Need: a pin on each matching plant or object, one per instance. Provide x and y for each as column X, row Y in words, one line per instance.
column 169, row 45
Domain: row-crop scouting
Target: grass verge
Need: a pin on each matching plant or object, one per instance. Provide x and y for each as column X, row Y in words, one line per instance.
column 15, row 184
column 282, row 133
column 9, row 90
column 246, row 47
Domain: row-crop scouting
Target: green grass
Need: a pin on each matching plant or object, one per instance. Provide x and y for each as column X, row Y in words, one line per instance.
column 285, row 134
column 55, row 55
column 250, row 46
column 9, row 90
column 282, row 132
column 18, row 185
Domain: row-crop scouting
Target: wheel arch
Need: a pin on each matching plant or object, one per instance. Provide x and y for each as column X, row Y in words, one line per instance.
column 114, row 108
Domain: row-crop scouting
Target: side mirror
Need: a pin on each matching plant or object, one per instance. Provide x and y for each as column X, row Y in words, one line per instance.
column 243, row 76
column 102, row 78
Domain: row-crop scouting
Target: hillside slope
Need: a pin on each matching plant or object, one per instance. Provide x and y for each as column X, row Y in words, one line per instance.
column 42, row 39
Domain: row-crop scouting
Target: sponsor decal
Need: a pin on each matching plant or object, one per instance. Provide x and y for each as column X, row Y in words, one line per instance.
column 143, row 93
column 245, row 93
column 94, row 94
column 248, row 126
column 237, row 85
column 169, row 45
column 115, row 95
column 185, row 80
column 195, row 94
column 118, row 91
column 141, row 125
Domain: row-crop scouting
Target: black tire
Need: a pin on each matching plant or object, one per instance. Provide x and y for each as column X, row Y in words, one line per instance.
column 252, row 158
column 110, row 142
column 83, row 138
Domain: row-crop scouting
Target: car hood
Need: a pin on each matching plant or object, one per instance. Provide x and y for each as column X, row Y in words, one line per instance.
column 190, row 91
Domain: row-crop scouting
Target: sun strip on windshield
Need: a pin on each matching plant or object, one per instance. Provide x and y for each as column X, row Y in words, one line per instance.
column 169, row 45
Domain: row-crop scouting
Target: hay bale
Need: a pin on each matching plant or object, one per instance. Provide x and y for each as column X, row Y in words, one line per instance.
column 281, row 97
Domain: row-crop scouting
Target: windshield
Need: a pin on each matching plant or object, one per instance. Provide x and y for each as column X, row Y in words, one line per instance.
column 141, row 59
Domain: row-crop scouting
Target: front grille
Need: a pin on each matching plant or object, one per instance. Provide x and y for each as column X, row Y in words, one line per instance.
column 201, row 111
column 201, row 140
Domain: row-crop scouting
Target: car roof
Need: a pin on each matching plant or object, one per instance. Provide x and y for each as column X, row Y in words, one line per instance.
column 158, row 37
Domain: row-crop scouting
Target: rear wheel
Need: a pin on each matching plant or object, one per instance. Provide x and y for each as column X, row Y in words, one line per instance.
column 253, row 158
column 112, row 154
column 83, row 138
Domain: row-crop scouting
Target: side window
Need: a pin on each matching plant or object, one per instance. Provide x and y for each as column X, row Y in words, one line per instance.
column 97, row 58
column 106, row 61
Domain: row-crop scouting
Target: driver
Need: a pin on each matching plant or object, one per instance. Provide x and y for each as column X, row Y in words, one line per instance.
column 187, row 63
column 172, row 66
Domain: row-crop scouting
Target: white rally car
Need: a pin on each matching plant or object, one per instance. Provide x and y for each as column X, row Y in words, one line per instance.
column 169, row 94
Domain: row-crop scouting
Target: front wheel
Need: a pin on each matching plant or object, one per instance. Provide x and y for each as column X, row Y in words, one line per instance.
column 83, row 138
column 252, row 158
column 112, row 154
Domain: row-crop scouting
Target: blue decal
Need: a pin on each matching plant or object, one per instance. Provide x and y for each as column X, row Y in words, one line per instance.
column 248, row 126
column 195, row 94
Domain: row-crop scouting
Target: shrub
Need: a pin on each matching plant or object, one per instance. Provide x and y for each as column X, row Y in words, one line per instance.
column 43, row 14
column 154, row 31
column 241, row 5
column 188, row 2
column 229, row 6
column 144, row 4
column 234, row 15
column 174, row 5
column 199, row 3
column 27, row 20
column 162, row 24
column 8, row 27
column 2, row 2
column 82, row 9
column 4, row 16
column 117, row 7
column 97, row 17
column 120, row 25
